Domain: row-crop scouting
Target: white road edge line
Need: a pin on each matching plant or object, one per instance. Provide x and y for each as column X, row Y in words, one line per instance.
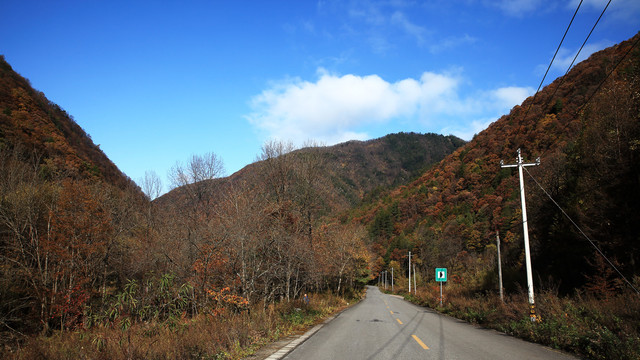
column 293, row 344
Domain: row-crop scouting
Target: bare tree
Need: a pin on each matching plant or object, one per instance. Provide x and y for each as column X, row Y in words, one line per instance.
column 199, row 168
column 151, row 184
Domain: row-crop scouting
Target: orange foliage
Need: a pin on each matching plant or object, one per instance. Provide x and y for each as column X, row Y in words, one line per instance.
column 80, row 227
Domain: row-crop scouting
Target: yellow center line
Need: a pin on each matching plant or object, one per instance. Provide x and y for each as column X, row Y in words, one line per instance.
column 399, row 322
column 417, row 339
column 391, row 312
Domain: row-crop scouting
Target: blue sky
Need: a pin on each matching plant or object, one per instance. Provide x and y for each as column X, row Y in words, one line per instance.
column 154, row 82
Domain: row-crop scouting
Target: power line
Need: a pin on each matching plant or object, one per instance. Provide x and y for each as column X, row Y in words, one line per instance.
column 579, row 50
column 583, row 233
column 581, row 108
column 552, row 60
column 609, row 74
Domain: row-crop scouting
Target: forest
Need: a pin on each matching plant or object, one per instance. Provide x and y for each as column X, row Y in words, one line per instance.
column 92, row 263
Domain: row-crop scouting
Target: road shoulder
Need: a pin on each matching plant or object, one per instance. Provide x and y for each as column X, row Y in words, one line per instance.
column 279, row 349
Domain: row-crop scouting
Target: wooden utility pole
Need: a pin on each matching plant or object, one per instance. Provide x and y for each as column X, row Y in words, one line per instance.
column 525, row 227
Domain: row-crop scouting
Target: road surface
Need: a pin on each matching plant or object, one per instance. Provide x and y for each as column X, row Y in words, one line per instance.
column 387, row 327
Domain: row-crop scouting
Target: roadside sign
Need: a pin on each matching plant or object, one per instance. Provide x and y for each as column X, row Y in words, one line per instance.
column 441, row 274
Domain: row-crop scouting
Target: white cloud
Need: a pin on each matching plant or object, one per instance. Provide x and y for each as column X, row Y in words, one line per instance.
column 418, row 32
column 469, row 130
column 451, row 42
column 565, row 56
column 485, row 108
column 369, row 12
column 338, row 108
column 626, row 11
column 594, row 3
column 510, row 95
column 516, row 8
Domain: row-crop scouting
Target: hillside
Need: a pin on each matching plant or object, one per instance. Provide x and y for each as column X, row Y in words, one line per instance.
column 35, row 125
column 585, row 127
column 68, row 217
column 356, row 168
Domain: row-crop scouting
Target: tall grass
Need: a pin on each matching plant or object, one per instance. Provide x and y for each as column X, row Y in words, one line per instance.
column 228, row 335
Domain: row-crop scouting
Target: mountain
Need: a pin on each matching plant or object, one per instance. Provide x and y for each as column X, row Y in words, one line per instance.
column 585, row 127
column 356, row 168
column 40, row 128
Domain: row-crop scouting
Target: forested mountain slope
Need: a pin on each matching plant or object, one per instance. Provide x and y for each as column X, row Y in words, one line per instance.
column 354, row 169
column 35, row 125
column 585, row 127
column 68, row 216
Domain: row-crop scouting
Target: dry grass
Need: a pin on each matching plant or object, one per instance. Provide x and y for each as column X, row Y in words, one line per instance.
column 595, row 328
column 225, row 336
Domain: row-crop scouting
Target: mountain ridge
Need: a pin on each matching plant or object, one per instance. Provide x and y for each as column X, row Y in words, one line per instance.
column 357, row 167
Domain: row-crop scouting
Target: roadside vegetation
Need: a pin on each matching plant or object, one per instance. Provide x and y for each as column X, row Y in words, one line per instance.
column 590, row 325
column 225, row 329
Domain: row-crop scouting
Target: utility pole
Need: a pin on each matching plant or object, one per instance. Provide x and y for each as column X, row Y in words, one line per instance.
column 527, row 253
column 410, row 272
column 415, row 287
column 499, row 266
column 391, row 279
column 385, row 279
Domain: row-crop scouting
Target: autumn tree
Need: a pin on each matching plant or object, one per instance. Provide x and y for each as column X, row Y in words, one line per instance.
column 343, row 256
column 77, row 247
column 25, row 221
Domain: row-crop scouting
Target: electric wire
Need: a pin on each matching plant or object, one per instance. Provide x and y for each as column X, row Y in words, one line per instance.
column 593, row 94
column 582, row 232
column 578, row 53
column 609, row 74
column 551, row 63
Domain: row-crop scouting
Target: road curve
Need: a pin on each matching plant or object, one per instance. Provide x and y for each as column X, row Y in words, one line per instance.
column 387, row 327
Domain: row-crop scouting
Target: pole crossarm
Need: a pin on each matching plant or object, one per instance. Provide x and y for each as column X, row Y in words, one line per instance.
column 519, row 162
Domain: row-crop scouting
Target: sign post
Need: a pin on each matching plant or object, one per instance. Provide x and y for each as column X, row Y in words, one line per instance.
column 441, row 276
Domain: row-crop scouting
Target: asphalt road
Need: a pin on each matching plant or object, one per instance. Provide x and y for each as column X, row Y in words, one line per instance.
column 387, row 327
